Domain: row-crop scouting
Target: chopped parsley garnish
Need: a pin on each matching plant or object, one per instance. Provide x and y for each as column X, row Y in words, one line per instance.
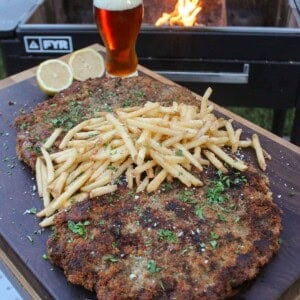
column 31, row 210
column 126, row 103
column 186, row 197
column 131, row 193
column 102, row 222
column 214, row 244
column 112, row 167
column 167, row 235
column 24, row 125
column 215, row 194
column 152, row 267
column 110, row 258
column 108, row 108
column 79, row 228
column 30, row 238
column 45, row 256
column 214, row 236
column 178, row 152
column 148, row 242
column 221, row 217
column 166, row 187
column 199, row 212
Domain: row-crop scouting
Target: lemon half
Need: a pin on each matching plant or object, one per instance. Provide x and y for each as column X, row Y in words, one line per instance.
column 53, row 76
column 86, row 63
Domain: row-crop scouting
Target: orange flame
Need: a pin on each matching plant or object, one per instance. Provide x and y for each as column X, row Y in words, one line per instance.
column 184, row 14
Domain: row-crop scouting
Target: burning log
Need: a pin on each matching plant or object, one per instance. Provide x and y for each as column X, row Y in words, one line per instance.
column 184, row 14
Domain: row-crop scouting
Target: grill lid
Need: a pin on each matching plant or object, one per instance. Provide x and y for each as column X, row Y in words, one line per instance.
column 12, row 13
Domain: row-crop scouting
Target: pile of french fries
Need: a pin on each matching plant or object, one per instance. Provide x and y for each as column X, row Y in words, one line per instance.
column 148, row 144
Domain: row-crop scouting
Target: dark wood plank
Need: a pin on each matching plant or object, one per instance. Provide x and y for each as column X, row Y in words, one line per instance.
column 17, row 194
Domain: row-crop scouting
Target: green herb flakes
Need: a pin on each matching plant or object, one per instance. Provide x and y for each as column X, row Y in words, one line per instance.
column 167, row 235
column 166, row 187
column 178, row 152
column 110, row 258
column 186, row 197
column 214, row 244
column 152, row 267
column 79, row 228
column 199, row 212
column 102, row 222
column 221, row 217
column 31, row 210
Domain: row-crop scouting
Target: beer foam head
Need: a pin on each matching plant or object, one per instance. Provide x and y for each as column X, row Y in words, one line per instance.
column 117, row 4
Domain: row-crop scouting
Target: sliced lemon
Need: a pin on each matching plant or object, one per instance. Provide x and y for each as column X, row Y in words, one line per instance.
column 86, row 63
column 53, row 76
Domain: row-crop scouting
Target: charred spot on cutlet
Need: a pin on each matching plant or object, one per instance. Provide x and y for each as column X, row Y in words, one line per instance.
column 180, row 210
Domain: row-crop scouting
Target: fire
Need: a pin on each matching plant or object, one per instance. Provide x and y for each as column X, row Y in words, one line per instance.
column 184, row 14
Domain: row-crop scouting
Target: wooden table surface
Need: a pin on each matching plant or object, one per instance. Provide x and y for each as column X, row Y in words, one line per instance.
column 280, row 278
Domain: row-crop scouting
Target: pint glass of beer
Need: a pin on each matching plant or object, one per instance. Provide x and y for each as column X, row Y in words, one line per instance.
column 119, row 22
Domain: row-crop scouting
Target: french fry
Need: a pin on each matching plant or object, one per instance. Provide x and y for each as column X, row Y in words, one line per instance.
column 173, row 140
column 216, row 162
column 46, row 195
column 49, row 221
column 50, row 168
column 59, row 184
column 67, row 164
column 170, row 168
column 75, row 199
column 38, row 176
column 139, row 112
column 108, row 189
column 140, row 169
column 156, row 181
column 237, row 136
column 122, row 168
column 204, row 102
column 245, row 144
column 105, row 179
column 81, row 169
column 53, row 137
column 150, row 173
column 127, row 140
column 224, row 156
column 197, row 141
column 159, row 147
column 86, row 135
column 141, row 156
column 189, row 156
column 100, row 169
column 142, row 185
column 266, row 154
column 231, row 134
column 259, row 152
column 71, row 133
column 152, row 128
column 129, row 177
column 56, row 155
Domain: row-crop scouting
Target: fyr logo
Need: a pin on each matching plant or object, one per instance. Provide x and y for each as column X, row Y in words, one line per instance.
column 48, row 44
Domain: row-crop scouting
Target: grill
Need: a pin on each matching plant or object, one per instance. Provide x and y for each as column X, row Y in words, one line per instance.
column 247, row 51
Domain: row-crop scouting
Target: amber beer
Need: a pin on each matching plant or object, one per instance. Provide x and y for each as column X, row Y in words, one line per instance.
column 119, row 22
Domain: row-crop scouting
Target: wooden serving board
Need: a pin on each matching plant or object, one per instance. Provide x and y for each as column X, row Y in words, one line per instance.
column 22, row 244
